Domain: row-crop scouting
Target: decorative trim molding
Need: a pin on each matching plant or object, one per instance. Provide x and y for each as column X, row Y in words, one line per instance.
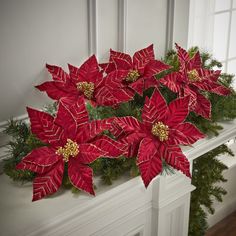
column 92, row 27
column 122, row 25
column 207, row 144
column 170, row 24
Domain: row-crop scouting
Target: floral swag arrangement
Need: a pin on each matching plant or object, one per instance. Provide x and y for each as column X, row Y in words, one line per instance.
column 134, row 110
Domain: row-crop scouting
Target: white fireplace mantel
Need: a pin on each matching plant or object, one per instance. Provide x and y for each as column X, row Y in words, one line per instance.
column 124, row 209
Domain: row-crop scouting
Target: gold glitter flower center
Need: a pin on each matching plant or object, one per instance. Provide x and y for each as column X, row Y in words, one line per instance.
column 193, row 76
column 86, row 88
column 132, row 76
column 161, row 131
column 71, row 149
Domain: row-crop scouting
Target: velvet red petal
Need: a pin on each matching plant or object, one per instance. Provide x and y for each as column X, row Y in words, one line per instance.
column 121, row 64
column 58, row 74
column 112, row 91
column 88, row 71
column 43, row 126
column 171, row 81
column 184, row 134
column 48, row 183
column 89, row 131
column 154, row 108
column 178, row 111
column 81, row 176
column 89, row 152
column 209, row 75
column 120, row 55
column 138, row 86
column 129, row 124
column 154, row 67
column 175, row 158
column 203, row 106
column 183, row 56
column 40, row 160
column 151, row 82
column 194, row 62
column 132, row 142
column 143, row 56
column 108, row 67
column 57, row 90
column 112, row 147
column 77, row 109
column 66, row 120
column 149, row 161
column 213, row 87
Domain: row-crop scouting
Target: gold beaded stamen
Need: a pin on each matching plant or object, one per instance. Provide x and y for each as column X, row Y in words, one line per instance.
column 193, row 76
column 86, row 88
column 71, row 149
column 132, row 76
column 161, row 131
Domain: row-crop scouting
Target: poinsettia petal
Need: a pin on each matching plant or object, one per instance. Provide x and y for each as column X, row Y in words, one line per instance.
column 132, row 142
column 175, row 158
column 147, row 149
column 154, row 67
column 194, row 62
column 142, row 57
column 178, row 111
column 108, row 67
column 77, row 109
column 185, row 134
column 81, row 176
column 112, row 91
column 56, row 89
column 129, row 124
column 89, row 131
column 66, row 120
column 138, row 86
column 121, row 55
column 151, row 82
column 43, row 126
column 48, row 183
column 219, row 89
column 40, row 160
column 58, row 74
column 88, row 71
column 213, row 87
column 203, row 106
column 154, row 108
column 149, row 161
column 192, row 93
column 172, row 81
column 112, row 147
column 89, row 152
column 183, row 56
column 121, row 64
column 209, row 75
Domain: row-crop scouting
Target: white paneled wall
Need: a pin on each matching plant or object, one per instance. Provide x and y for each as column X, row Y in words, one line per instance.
column 58, row 32
column 146, row 24
column 32, row 33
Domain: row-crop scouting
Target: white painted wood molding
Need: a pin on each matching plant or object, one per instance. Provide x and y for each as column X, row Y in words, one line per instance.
column 125, row 208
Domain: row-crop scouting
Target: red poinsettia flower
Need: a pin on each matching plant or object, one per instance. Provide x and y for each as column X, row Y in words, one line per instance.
column 140, row 69
column 191, row 79
column 158, row 136
column 70, row 140
column 86, row 81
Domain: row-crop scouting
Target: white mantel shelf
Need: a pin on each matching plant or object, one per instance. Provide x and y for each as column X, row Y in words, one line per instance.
column 125, row 208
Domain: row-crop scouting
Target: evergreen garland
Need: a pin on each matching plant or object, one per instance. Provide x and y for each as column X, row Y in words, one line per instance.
column 223, row 108
column 205, row 180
